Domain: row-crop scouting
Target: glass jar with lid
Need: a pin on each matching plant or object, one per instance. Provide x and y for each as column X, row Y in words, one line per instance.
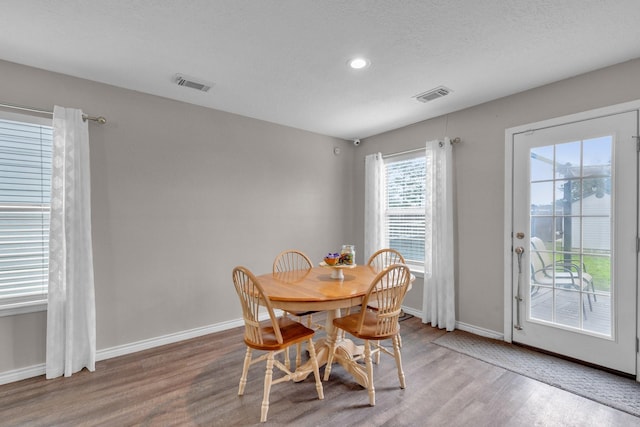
column 348, row 254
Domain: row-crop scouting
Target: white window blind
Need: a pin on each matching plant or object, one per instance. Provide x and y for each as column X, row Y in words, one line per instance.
column 25, row 181
column 405, row 206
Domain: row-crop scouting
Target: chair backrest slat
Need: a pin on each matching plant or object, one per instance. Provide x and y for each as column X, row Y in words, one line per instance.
column 388, row 290
column 291, row 260
column 541, row 265
column 251, row 298
column 541, row 250
column 384, row 258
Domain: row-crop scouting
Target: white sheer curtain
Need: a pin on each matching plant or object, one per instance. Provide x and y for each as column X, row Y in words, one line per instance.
column 71, row 319
column 439, row 292
column 373, row 205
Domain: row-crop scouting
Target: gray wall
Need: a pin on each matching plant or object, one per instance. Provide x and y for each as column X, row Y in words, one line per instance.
column 479, row 174
column 180, row 195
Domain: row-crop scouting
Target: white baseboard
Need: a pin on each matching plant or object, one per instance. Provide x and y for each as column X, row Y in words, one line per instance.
column 412, row 311
column 121, row 350
column 22, row 374
column 479, row 331
column 462, row 326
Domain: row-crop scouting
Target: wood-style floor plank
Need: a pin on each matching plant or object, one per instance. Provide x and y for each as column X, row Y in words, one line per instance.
column 195, row 383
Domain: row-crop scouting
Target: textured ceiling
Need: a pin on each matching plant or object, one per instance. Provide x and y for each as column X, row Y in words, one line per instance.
column 284, row 61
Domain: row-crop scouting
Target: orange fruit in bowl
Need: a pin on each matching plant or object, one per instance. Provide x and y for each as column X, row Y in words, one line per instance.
column 331, row 261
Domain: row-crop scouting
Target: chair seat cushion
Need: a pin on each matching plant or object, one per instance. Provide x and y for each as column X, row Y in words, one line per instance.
column 350, row 324
column 569, row 275
column 292, row 333
column 562, row 280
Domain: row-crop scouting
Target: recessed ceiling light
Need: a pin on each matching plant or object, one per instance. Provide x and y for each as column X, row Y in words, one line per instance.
column 359, row 63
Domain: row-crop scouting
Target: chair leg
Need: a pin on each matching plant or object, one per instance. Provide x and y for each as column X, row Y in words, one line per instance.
column 331, row 341
column 298, row 354
column 287, row 362
column 369, row 365
column 588, row 297
column 268, row 377
column 347, row 312
column 245, row 370
column 299, row 345
column 396, row 354
column 316, row 369
column 593, row 290
column 378, row 345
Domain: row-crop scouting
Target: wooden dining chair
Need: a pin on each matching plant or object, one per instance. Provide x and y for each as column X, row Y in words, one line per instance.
column 388, row 289
column 380, row 260
column 291, row 260
column 273, row 336
column 384, row 258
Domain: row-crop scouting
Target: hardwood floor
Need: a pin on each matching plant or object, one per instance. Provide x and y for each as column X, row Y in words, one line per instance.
column 195, row 383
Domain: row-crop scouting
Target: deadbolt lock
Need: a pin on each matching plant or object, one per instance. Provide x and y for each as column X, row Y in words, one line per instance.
column 520, row 235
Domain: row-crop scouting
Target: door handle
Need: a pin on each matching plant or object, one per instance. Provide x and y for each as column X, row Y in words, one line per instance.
column 519, row 251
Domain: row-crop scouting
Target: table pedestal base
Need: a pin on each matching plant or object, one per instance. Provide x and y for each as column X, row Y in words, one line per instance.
column 337, row 273
column 346, row 351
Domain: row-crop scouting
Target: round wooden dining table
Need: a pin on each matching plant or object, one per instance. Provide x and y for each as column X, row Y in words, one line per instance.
column 316, row 290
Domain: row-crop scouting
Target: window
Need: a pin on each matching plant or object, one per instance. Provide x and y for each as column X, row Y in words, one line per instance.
column 404, row 204
column 25, row 181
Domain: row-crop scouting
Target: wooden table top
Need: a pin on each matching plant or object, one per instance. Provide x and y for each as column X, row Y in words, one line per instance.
column 314, row 289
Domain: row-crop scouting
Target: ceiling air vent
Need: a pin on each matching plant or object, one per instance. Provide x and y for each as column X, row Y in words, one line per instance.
column 432, row 94
column 186, row 81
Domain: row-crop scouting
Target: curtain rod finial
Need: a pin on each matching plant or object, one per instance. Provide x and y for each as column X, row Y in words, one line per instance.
column 100, row 119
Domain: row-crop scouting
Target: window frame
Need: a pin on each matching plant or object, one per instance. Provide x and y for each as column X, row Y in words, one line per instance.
column 416, row 266
column 35, row 303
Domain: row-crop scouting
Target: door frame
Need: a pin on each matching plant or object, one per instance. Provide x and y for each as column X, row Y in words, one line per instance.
column 508, row 259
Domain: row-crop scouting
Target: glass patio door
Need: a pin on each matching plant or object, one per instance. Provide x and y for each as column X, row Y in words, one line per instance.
column 575, row 228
